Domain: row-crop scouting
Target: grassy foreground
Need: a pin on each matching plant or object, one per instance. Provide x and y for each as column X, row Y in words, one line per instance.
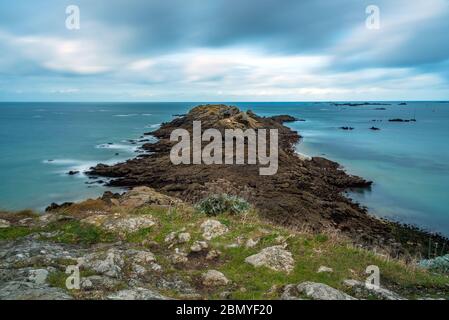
column 309, row 251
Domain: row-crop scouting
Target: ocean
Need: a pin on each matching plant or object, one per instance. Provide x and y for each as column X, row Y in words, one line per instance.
column 408, row 161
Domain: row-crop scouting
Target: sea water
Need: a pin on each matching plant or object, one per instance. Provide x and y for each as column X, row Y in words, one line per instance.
column 408, row 161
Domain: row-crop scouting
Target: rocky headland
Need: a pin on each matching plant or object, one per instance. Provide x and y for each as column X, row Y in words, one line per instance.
column 304, row 194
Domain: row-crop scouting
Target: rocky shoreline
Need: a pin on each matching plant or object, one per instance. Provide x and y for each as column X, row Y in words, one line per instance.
column 304, row 194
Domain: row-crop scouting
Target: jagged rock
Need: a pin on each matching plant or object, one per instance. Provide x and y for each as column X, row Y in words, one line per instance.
column 212, row 229
column 325, row 269
column 276, row 258
column 141, row 196
column 380, row 292
column 213, row 254
column 20, row 290
column 121, row 223
column 321, row 291
column 199, row 246
column 136, row 294
column 109, row 263
column 214, row 278
column 4, row 223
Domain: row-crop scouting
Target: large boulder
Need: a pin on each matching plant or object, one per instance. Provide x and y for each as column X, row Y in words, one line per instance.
column 275, row 258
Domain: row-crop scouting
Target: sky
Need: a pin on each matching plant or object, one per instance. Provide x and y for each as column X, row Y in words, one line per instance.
column 224, row 50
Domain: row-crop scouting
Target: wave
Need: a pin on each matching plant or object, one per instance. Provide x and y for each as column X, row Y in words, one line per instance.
column 125, row 147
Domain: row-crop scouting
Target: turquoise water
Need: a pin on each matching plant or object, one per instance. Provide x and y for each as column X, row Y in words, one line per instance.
column 409, row 162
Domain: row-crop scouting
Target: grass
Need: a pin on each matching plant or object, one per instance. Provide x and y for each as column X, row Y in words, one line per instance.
column 310, row 251
column 80, row 233
column 12, row 233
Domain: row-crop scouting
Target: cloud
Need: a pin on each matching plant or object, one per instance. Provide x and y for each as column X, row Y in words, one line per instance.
column 214, row 50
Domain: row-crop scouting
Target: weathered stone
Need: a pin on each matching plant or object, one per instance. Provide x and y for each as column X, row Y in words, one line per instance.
column 4, row 223
column 38, row 276
column 179, row 257
column 275, row 258
column 199, row 246
column 325, row 269
column 141, row 196
column 251, row 243
column 136, row 294
column 212, row 229
column 183, row 237
column 290, row 293
column 321, row 291
column 121, row 223
column 109, row 263
column 18, row 290
column 213, row 254
column 214, row 278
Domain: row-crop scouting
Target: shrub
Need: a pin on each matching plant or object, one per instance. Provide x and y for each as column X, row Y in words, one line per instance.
column 221, row 203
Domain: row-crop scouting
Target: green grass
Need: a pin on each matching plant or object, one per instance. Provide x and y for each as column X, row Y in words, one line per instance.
column 80, row 233
column 12, row 233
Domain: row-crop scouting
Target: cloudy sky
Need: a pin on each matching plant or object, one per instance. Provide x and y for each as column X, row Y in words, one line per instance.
column 224, row 50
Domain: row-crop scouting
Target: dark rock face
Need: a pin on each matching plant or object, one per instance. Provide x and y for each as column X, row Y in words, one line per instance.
column 303, row 193
column 55, row 206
